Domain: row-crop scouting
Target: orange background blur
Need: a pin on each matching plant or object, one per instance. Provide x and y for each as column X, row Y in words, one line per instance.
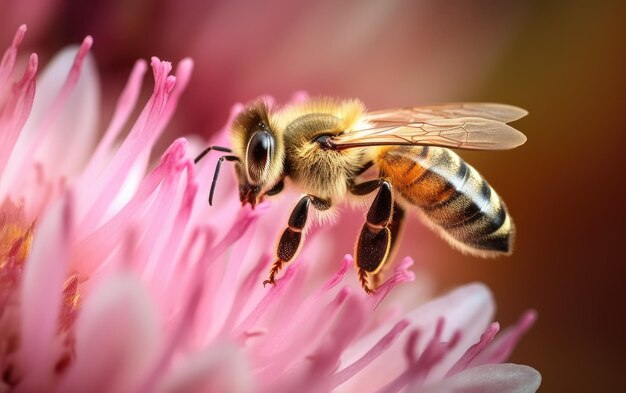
column 564, row 61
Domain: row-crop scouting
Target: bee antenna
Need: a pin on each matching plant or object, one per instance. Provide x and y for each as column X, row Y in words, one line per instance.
column 208, row 149
column 217, row 173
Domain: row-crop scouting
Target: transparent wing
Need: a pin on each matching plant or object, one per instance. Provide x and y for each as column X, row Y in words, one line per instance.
column 498, row 112
column 462, row 133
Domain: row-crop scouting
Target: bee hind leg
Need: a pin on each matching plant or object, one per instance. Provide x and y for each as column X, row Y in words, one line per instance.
column 395, row 226
column 375, row 240
column 291, row 240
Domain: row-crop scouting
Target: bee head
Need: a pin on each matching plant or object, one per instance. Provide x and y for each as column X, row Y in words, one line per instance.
column 256, row 141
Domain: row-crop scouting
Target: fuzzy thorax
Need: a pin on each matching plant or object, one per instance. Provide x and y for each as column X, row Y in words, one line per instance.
column 318, row 171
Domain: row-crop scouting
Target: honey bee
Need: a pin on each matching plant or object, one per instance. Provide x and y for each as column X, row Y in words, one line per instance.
column 324, row 147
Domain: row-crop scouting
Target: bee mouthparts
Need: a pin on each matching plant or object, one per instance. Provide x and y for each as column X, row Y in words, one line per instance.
column 250, row 198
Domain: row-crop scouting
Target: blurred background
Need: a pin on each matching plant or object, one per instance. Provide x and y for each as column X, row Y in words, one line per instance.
column 564, row 61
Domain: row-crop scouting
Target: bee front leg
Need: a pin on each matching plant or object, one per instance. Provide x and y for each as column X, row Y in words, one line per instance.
column 291, row 240
column 375, row 240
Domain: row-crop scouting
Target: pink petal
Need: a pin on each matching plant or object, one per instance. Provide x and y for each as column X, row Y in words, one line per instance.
column 326, row 357
column 77, row 115
column 127, row 190
column 141, row 138
column 504, row 344
column 8, row 59
column 471, row 322
column 264, row 303
column 166, row 258
column 313, row 371
column 400, row 275
column 160, row 215
column 475, row 350
column 17, row 110
column 497, row 378
column 212, row 272
column 381, row 346
column 235, row 262
column 179, row 334
column 419, row 366
column 63, row 98
column 42, row 286
column 435, row 351
column 299, row 340
column 92, row 251
column 183, row 75
column 124, row 108
column 221, row 368
column 468, row 309
column 117, row 339
column 298, row 328
column 244, row 292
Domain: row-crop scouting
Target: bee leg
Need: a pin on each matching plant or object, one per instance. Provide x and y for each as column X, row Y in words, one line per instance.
column 374, row 242
column 291, row 240
column 366, row 187
column 396, row 225
column 375, row 281
column 364, row 168
column 364, row 281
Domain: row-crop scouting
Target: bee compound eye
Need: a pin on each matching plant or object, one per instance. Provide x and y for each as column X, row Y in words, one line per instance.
column 259, row 154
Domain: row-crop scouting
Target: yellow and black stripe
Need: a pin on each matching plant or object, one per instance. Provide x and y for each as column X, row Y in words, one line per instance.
column 452, row 195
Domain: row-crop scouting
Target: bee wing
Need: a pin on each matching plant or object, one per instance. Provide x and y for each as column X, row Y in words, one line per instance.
column 478, row 126
column 473, row 133
column 498, row 112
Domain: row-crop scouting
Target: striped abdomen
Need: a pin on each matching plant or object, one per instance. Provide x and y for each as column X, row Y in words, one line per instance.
column 452, row 195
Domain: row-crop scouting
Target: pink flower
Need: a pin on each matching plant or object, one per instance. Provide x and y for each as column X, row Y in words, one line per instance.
column 119, row 278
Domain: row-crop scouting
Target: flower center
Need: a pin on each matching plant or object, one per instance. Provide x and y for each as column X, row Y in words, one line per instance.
column 16, row 238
